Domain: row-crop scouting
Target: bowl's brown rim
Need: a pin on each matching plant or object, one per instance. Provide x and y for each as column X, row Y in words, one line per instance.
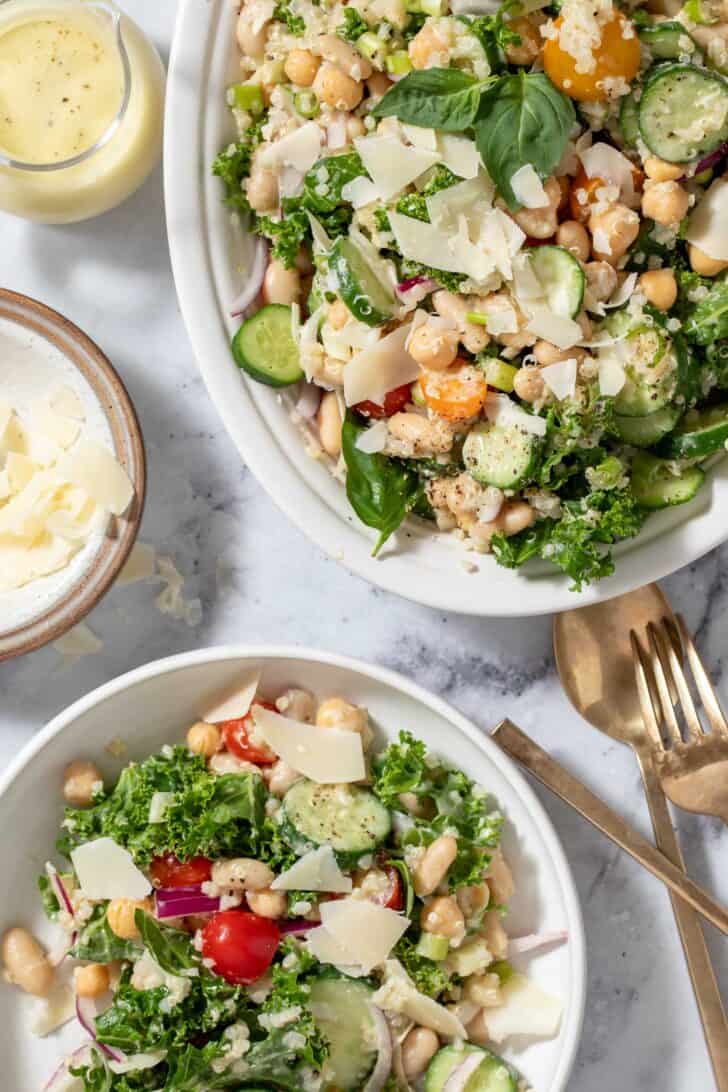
column 128, row 440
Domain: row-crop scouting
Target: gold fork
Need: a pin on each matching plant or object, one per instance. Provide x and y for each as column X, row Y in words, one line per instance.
column 692, row 763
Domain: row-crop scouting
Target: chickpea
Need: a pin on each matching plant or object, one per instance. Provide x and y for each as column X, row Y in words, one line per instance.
column 347, row 59
column 500, row 879
column 413, row 435
column 91, row 981
column 336, row 89
column 702, row 263
column 242, row 874
column 297, row 704
column 613, row 232
column 665, row 202
column 355, row 127
column 659, row 171
column 280, row 776
column 573, row 237
column 329, row 423
column 79, row 780
column 473, row 900
column 120, row 916
column 428, row 48
column 483, row 990
column 267, row 904
column 281, row 285
column 338, row 314
column 432, row 347
column 443, row 917
column 601, row 279
column 531, row 44
column 419, row 1047
column 26, row 964
column 515, row 516
column 450, row 306
column 378, row 84
column 204, row 739
column 301, row 67
column 546, row 353
column 434, row 864
column 495, row 935
column 541, row 223
column 262, row 190
column 478, row 1029
column 250, row 41
column 528, row 384
column 337, row 713
column 660, row 287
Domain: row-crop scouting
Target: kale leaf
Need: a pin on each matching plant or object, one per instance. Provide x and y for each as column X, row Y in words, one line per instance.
column 232, row 166
column 429, row 977
column 96, row 941
column 296, row 24
column 353, row 26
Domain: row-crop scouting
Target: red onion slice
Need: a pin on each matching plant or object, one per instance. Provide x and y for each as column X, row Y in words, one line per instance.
column 462, row 1073
column 708, row 162
column 383, row 1067
column 80, row 1057
column 178, row 902
column 86, row 1013
column 309, row 400
column 59, row 951
column 415, row 282
column 60, row 890
column 296, row 925
column 533, row 941
column 254, row 282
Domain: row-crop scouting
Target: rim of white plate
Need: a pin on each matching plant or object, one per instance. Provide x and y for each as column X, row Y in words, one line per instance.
column 427, row 568
column 505, row 766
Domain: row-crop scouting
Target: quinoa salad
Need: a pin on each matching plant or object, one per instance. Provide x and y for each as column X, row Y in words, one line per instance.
column 490, row 254
column 276, row 903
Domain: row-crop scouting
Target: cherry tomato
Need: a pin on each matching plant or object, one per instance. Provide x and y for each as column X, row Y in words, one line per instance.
column 167, row 871
column 616, row 57
column 381, row 885
column 457, row 393
column 394, row 898
column 240, row 945
column 237, row 735
column 394, row 401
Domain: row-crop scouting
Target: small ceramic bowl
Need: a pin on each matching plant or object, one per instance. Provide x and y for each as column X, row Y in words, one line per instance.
column 104, row 566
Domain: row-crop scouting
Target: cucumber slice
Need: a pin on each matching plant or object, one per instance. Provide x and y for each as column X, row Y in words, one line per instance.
column 346, row 817
column 646, row 431
column 667, row 41
column 699, row 435
column 629, row 120
column 561, row 278
column 683, row 112
column 264, row 347
column 359, row 286
column 501, row 455
column 492, row 1075
column 654, row 486
column 432, row 946
column 651, row 374
column 342, row 1009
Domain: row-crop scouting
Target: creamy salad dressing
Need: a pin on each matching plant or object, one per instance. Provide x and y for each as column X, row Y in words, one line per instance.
column 31, row 371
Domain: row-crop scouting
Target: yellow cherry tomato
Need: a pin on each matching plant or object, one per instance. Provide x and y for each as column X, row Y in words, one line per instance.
column 457, row 393
column 617, row 57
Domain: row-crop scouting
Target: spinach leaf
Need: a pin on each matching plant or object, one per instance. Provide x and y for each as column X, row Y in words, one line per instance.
column 170, row 948
column 522, row 119
column 51, row 905
column 435, row 98
column 380, row 490
column 97, row 943
column 324, row 182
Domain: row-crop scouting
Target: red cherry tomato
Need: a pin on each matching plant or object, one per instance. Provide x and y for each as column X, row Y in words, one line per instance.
column 394, row 899
column 237, row 734
column 240, row 945
column 394, row 401
column 167, row 871
column 390, row 893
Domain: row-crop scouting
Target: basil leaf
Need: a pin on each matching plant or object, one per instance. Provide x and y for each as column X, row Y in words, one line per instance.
column 380, row 490
column 170, row 948
column 522, row 119
column 435, row 98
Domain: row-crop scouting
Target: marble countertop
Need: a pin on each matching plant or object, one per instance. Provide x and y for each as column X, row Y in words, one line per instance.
column 245, row 562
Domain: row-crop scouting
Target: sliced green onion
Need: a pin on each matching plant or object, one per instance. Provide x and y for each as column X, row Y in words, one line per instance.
column 371, row 46
column 503, row 969
column 477, row 317
column 498, row 374
column 701, row 11
column 425, row 7
column 306, row 104
column 248, row 97
column 398, row 62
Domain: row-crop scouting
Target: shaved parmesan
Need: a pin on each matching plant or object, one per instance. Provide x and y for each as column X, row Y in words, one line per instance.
column 421, row 137
column 623, row 291
column 299, row 149
column 603, row 161
column 471, row 198
column 612, row 376
column 502, row 317
column 140, row 565
column 19, row 470
column 525, row 1009
column 373, row 439
column 66, row 402
column 360, row 191
column 500, row 410
column 424, row 243
column 159, row 805
column 170, row 600
column 105, row 870
column 79, row 641
column 52, row 1012
column 399, row 994
column 459, row 154
column 133, row 1062
column 95, row 470
column 367, row 931
column 528, row 188
column 62, row 431
column 708, row 223
column 322, row 945
column 315, row 871
column 235, row 701
column 560, row 331
column 6, row 412
column 560, row 378
column 328, row 756
column 526, row 284
column 375, row 371
column 321, row 241
column 21, row 563
column 391, row 164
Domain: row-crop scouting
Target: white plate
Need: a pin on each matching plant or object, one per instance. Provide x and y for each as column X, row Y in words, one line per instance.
column 209, row 260
column 155, row 704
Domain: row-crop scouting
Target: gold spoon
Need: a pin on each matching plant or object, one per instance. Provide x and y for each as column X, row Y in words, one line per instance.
column 595, row 662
